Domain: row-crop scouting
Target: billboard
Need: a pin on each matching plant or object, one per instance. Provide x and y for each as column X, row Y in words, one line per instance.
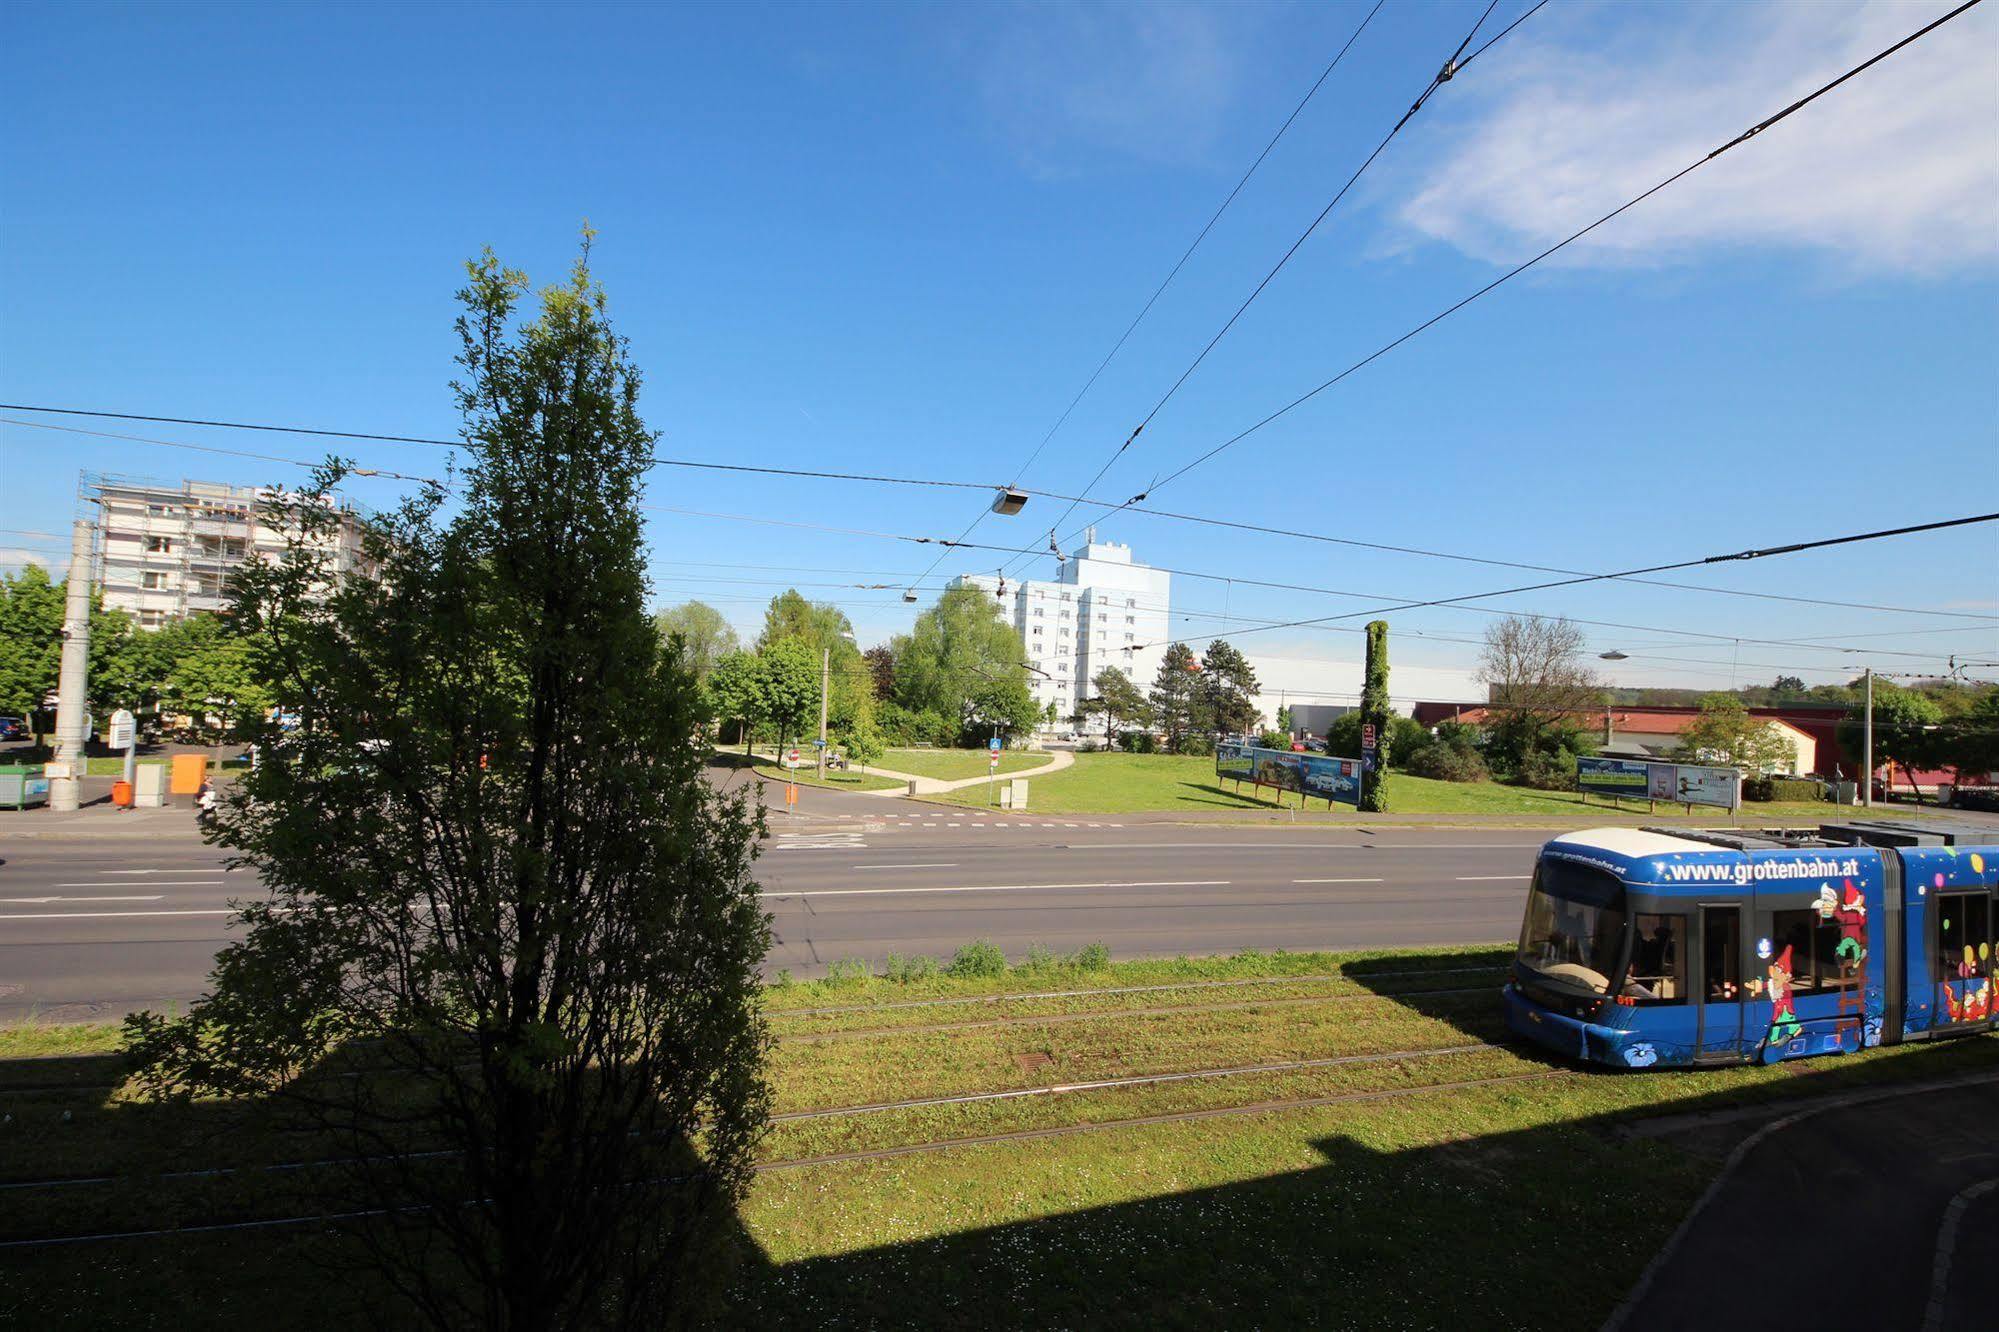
column 1327, row 778
column 1681, row 783
column 1613, row 777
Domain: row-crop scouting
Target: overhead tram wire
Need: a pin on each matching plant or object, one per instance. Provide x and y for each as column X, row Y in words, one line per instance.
column 1167, row 281
column 817, row 474
column 1982, row 621
column 1296, row 587
column 1445, row 73
column 1570, row 239
column 1753, row 554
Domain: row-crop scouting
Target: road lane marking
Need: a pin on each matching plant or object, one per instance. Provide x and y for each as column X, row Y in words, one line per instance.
column 1493, row 878
column 1338, row 881
column 111, row 915
column 210, row 870
column 999, row 888
column 183, row 883
column 44, row 901
column 1302, row 846
column 940, row 864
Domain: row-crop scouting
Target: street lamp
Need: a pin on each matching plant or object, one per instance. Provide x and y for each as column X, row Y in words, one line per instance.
column 1613, row 655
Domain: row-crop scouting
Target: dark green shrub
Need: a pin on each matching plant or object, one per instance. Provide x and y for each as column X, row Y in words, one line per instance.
column 1274, row 740
column 1197, row 745
column 1782, row 788
column 1091, row 957
column 902, row 970
column 1547, row 772
column 979, row 958
column 1446, row 763
column 1138, row 742
column 849, row 971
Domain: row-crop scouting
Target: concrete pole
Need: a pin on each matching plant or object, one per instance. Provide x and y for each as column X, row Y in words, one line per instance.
column 73, row 682
column 825, row 689
column 1867, row 743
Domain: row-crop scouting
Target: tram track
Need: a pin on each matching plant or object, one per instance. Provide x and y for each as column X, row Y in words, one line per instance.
column 1267, row 1106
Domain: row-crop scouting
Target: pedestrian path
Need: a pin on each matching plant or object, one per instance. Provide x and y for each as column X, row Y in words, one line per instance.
column 1058, row 759
column 969, row 818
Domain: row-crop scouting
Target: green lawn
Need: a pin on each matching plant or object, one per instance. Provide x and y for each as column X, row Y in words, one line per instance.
column 950, row 765
column 1432, row 1179
column 1140, row 783
column 835, row 781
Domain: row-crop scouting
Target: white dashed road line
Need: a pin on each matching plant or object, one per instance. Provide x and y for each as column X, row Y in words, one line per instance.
column 1000, row 888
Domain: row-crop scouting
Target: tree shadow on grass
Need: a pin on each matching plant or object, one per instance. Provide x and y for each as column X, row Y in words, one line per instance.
column 1456, row 1209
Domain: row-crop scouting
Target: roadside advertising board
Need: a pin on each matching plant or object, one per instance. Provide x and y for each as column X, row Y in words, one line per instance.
column 1709, row 786
column 1613, row 777
column 1327, row 778
column 1681, row 783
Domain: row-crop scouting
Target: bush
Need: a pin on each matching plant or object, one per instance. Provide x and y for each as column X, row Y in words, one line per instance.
column 1446, row 763
column 979, row 958
column 1547, row 772
column 902, row 970
column 849, row 971
column 1783, row 788
column 1274, row 740
column 1138, row 742
column 1092, row 957
column 1196, row 746
column 1039, row 958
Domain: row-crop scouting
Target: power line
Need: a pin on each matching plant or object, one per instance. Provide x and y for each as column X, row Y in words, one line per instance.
column 1199, row 519
column 1512, row 273
column 1754, row 554
column 1445, row 73
column 1298, row 587
column 1167, row 281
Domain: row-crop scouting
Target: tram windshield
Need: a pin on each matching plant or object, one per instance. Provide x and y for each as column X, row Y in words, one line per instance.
column 1574, row 928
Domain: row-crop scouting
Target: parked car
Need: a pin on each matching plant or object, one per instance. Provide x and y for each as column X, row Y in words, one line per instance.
column 13, row 728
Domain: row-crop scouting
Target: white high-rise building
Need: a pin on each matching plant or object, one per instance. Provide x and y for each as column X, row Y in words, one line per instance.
column 1102, row 611
column 167, row 551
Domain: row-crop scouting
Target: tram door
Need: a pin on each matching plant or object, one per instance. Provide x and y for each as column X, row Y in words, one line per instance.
column 1963, row 957
column 1720, row 1037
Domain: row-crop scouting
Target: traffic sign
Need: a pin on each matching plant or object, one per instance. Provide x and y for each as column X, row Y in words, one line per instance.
column 818, row 744
column 1367, row 735
column 993, row 743
column 993, row 762
column 791, row 759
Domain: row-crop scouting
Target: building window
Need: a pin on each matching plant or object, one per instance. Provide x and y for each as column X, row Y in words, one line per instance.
column 1127, row 638
column 1130, row 602
column 152, row 619
column 1037, row 631
column 1037, row 612
column 152, row 580
column 1065, row 631
column 1130, row 619
column 158, row 545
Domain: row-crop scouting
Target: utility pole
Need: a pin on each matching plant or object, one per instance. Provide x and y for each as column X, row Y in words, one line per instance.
column 825, row 689
column 1867, row 743
column 73, row 679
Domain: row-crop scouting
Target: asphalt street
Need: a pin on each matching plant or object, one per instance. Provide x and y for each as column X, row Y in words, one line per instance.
column 113, row 914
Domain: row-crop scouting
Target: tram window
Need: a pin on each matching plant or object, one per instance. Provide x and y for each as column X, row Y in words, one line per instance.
column 1721, row 955
column 1574, row 929
column 1814, row 945
column 1658, row 972
column 1964, row 954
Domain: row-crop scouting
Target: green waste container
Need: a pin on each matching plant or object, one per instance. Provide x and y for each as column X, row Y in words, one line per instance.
column 22, row 785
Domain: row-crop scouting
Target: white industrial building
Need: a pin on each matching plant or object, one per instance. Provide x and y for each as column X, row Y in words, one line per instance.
column 166, row 551
column 1102, row 610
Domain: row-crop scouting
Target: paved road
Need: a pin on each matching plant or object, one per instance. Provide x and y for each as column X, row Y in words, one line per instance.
column 95, row 923
column 1845, row 1218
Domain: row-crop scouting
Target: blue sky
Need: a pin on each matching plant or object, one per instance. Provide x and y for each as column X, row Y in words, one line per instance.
column 897, row 239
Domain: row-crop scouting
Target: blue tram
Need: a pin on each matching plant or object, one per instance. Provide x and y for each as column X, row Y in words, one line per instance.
column 1648, row 947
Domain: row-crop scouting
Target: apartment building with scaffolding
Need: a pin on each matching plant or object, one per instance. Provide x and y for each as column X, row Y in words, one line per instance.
column 1101, row 611
column 166, row 551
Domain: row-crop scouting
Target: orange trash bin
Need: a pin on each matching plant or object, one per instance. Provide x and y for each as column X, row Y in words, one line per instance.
column 121, row 793
column 187, row 773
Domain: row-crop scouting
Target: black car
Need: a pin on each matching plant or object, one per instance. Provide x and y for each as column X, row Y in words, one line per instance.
column 13, row 728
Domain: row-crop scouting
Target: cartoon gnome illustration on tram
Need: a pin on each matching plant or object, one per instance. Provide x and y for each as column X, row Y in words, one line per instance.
column 1784, row 1022
column 1850, row 912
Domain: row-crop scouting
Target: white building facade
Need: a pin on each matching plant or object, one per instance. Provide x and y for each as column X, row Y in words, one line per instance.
column 1101, row 612
column 167, row 551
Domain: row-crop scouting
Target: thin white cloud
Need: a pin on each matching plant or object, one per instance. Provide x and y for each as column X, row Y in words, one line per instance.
column 13, row 559
column 1149, row 81
column 1897, row 170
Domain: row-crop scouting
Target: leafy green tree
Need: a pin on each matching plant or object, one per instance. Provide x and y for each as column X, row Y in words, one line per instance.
column 31, row 609
column 880, row 661
column 735, row 693
column 788, row 687
column 1726, row 735
column 1283, row 722
column 1175, row 695
column 864, row 745
column 1118, row 701
column 1228, row 690
column 1969, row 743
column 495, row 871
column 1903, row 734
column 829, row 639
column 955, row 648
column 1002, row 707
column 216, row 674
column 1374, row 712
column 707, row 635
